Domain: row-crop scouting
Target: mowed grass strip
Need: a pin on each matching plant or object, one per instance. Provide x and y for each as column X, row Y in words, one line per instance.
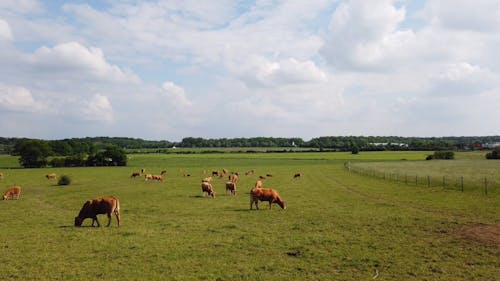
column 337, row 225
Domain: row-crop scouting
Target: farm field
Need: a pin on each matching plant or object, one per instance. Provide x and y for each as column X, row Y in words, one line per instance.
column 337, row 225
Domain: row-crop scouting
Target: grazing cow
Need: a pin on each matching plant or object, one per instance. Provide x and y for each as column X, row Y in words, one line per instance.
column 215, row 173
column 164, row 172
column 222, row 175
column 265, row 194
column 148, row 177
column 258, row 184
column 208, row 188
column 135, row 175
column 262, row 177
column 157, row 178
column 297, row 176
column 209, row 180
column 51, row 176
column 187, row 175
column 231, row 186
column 104, row 205
column 225, row 171
column 269, row 175
column 13, row 191
column 249, row 172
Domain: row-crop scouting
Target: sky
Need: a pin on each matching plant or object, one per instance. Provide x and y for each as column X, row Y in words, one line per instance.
column 165, row 70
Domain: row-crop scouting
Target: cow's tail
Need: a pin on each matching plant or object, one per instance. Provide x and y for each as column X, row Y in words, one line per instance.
column 117, row 207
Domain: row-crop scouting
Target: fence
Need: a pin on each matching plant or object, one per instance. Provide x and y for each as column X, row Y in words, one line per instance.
column 461, row 183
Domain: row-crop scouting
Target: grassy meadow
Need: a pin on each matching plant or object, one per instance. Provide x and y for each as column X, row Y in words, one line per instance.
column 337, row 225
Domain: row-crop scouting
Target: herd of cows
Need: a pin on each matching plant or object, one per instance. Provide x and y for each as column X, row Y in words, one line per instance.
column 110, row 204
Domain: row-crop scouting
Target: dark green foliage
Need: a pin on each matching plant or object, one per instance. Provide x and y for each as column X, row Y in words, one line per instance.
column 495, row 154
column 355, row 149
column 33, row 153
column 112, row 156
column 444, row 155
column 64, row 180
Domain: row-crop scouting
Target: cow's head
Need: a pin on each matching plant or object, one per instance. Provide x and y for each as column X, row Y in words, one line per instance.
column 78, row 221
column 282, row 204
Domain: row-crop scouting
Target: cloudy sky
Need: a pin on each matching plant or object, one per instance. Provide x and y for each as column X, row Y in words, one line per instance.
column 164, row 70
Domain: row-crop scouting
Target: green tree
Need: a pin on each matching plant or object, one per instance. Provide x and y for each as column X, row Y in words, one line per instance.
column 33, row 153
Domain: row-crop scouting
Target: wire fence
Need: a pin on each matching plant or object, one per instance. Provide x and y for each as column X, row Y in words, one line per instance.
column 461, row 183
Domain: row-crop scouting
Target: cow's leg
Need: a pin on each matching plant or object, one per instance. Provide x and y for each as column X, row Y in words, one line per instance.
column 117, row 214
column 257, row 204
column 270, row 205
column 96, row 220
column 109, row 219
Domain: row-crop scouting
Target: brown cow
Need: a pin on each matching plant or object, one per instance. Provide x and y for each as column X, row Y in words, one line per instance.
column 265, row 194
column 231, row 186
column 13, row 191
column 215, row 173
column 262, row 177
column 269, row 175
column 297, row 175
column 104, row 205
column 208, row 188
column 51, row 176
column 134, row 175
column 157, row 178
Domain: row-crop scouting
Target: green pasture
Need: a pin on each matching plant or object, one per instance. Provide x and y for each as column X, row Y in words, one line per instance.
column 337, row 225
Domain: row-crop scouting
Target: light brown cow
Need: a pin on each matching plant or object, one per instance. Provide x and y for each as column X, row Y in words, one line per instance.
column 258, row 184
column 148, row 177
column 234, row 178
column 208, row 179
column 225, row 171
column 13, row 191
column 231, row 186
column 104, row 205
column 265, row 194
column 51, row 176
column 208, row 188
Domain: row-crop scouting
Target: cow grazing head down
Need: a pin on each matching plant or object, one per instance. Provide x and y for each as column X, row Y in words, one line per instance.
column 266, row 194
column 104, row 205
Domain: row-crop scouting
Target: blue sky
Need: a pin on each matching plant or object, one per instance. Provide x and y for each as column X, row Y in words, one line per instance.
column 214, row 69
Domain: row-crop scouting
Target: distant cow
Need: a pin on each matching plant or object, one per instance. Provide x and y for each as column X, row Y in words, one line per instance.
column 249, row 172
column 297, row 175
column 134, row 175
column 148, row 177
column 234, row 178
column 157, row 178
column 265, row 194
column 215, row 173
column 207, row 188
column 231, row 186
column 104, row 205
column 262, row 177
column 164, row 172
column 1, row 176
column 51, row 176
column 12, row 192
column 269, row 175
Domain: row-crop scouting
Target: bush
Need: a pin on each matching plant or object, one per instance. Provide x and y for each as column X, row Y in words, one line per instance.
column 495, row 154
column 446, row 155
column 64, row 180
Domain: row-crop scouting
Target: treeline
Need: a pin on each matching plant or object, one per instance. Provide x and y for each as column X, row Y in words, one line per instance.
column 91, row 146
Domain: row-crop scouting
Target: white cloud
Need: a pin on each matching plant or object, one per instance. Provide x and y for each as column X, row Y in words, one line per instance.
column 74, row 58
column 18, row 99
column 176, row 96
column 5, row 32
column 21, row 6
column 98, row 108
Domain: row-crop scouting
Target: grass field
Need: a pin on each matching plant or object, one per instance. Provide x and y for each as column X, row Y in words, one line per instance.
column 337, row 225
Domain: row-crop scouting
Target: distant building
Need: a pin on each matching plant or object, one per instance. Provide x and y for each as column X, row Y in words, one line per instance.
column 491, row 145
